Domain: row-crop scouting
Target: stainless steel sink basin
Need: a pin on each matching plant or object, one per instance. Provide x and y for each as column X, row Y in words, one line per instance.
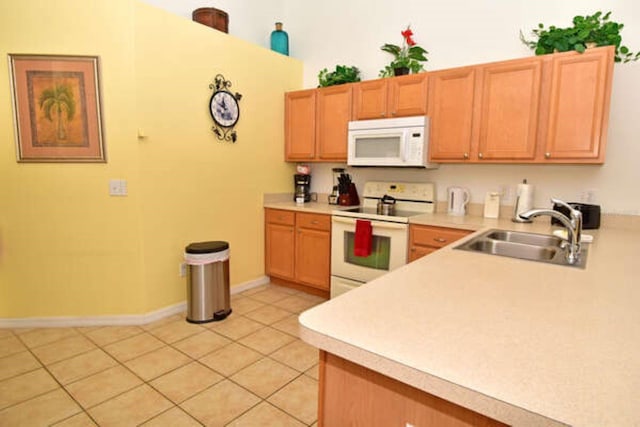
column 528, row 246
column 525, row 238
column 524, row 251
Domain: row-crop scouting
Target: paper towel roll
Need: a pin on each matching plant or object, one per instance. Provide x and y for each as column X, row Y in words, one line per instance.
column 524, row 201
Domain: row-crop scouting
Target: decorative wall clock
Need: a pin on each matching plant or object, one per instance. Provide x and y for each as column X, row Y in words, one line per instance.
column 224, row 109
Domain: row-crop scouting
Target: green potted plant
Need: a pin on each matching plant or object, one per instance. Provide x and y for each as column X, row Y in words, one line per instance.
column 407, row 58
column 587, row 31
column 342, row 74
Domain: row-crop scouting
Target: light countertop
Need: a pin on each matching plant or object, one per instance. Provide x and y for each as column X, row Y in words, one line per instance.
column 523, row 342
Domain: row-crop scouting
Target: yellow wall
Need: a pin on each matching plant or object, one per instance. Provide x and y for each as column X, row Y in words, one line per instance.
column 69, row 249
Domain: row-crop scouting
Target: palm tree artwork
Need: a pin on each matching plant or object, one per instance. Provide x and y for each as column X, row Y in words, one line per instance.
column 57, row 102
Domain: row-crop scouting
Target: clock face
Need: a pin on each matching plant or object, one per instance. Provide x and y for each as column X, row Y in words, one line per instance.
column 224, row 108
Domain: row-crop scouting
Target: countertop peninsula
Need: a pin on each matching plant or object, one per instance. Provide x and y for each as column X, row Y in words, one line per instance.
column 523, row 342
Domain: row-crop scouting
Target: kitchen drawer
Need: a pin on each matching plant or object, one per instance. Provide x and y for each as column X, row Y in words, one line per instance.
column 277, row 216
column 419, row 251
column 314, row 221
column 435, row 236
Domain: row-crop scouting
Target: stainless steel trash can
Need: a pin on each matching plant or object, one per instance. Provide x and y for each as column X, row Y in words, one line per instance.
column 207, row 281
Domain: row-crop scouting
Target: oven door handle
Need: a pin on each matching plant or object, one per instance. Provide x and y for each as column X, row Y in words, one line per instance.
column 379, row 224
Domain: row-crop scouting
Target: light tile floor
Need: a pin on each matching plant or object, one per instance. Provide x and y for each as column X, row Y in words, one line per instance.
column 250, row 369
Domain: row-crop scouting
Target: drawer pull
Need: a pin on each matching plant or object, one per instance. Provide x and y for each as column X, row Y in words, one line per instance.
column 439, row 239
column 314, row 222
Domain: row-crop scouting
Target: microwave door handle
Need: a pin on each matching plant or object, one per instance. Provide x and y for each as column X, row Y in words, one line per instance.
column 405, row 145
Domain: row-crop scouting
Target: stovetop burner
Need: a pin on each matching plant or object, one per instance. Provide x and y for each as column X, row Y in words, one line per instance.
column 374, row 211
column 412, row 199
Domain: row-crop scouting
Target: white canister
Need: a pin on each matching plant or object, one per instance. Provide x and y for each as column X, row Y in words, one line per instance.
column 492, row 205
column 458, row 197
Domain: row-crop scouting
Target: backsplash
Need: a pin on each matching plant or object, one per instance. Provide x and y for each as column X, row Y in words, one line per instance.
column 569, row 183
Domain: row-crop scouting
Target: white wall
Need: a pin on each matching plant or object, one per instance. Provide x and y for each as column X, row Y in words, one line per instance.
column 248, row 19
column 456, row 32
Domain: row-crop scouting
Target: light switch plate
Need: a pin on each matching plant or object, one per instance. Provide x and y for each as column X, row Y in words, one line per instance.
column 117, row 187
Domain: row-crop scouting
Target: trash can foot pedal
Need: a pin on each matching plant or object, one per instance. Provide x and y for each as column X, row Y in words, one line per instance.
column 221, row 315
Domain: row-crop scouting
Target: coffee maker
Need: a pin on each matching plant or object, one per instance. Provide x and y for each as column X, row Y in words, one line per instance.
column 302, row 192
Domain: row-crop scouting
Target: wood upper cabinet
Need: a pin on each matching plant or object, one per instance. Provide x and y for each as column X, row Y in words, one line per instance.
column 298, row 247
column 450, row 108
column 300, row 125
column 578, row 108
column 550, row 108
column 391, row 97
column 316, row 122
column 424, row 239
column 509, row 107
column 333, row 113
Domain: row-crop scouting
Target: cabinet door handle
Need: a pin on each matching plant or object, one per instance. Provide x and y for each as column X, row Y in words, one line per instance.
column 547, row 155
column 480, row 155
column 381, row 114
column 439, row 239
column 465, row 155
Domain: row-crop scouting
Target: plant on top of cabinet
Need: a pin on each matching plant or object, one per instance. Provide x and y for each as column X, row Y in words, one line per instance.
column 587, row 31
column 343, row 74
column 408, row 57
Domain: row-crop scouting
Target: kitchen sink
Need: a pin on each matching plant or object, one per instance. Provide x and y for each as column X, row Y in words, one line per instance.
column 525, row 238
column 522, row 245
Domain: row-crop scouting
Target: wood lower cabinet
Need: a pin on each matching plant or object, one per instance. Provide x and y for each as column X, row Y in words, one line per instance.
column 352, row 395
column 391, row 97
column 298, row 249
column 313, row 250
column 424, row 239
column 280, row 243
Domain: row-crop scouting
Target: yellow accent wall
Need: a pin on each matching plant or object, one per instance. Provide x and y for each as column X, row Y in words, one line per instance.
column 67, row 248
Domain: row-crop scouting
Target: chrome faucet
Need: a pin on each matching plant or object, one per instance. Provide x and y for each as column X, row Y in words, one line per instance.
column 573, row 224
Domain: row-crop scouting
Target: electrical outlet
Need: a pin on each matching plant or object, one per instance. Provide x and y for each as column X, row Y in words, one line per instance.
column 589, row 196
column 506, row 191
column 183, row 269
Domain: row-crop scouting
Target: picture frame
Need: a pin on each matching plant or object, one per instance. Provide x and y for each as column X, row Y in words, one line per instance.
column 57, row 108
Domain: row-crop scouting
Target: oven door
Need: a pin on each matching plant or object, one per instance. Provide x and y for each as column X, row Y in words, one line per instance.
column 389, row 249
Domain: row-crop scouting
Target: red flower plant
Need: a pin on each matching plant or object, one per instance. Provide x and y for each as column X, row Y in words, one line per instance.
column 407, row 36
column 408, row 56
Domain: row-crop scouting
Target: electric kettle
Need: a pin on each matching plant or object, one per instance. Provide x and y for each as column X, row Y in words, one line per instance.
column 458, row 197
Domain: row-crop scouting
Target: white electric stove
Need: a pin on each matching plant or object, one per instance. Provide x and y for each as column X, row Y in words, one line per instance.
column 390, row 233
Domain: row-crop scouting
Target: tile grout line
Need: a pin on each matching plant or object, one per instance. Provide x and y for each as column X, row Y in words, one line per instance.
column 243, row 315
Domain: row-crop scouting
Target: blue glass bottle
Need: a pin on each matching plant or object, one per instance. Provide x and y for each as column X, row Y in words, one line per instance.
column 280, row 40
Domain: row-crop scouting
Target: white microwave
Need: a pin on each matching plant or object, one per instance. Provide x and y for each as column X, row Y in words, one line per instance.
column 400, row 142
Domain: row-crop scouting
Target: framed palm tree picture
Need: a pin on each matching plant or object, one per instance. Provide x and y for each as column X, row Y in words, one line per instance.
column 56, row 105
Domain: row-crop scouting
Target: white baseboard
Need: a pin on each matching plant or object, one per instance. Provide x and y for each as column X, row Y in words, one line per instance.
column 115, row 320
